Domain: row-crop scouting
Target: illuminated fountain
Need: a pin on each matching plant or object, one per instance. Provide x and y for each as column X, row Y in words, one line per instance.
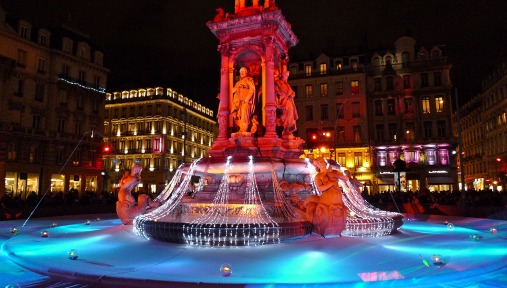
column 255, row 189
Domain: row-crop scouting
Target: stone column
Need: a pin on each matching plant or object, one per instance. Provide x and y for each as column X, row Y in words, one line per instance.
column 223, row 106
column 269, row 95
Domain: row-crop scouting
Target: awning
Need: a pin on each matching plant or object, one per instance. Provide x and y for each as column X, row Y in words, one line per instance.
column 440, row 180
column 386, row 181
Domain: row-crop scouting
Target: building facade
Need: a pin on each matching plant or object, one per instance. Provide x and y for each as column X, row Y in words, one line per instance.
column 52, row 94
column 367, row 111
column 157, row 128
column 332, row 105
column 484, row 133
column 410, row 116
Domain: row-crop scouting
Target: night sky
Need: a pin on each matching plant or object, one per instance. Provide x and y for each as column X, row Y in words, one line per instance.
column 166, row 42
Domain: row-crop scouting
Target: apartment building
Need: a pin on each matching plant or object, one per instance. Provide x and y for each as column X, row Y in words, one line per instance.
column 157, row 128
column 369, row 110
column 484, row 133
column 52, row 86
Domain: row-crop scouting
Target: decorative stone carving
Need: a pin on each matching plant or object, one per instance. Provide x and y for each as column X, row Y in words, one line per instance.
column 126, row 206
column 327, row 211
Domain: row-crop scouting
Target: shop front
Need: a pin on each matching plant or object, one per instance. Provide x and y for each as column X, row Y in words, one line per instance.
column 440, row 180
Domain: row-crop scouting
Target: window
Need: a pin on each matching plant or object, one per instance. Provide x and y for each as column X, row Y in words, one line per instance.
column 379, row 132
column 309, row 113
column 407, row 82
column 59, row 155
column 149, row 110
column 24, row 31
column 140, row 111
column 99, row 58
column 78, row 128
column 439, row 104
column 424, row 80
column 82, row 76
column 84, row 53
column 427, row 129
column 294, row 70
column 123, row 112
column 405, row 58
column 339, row 65
column 389, row 60
column 34, row 156
column 381, row 158
column 393, row 131
column 39, row 92
column 443, row 157
column 357, row 134
column 356, row 111
column 132, row 111
column 323, row 68
column 339, row 108
column 65, row 70
column 354, row 87
column 390, row 83
column 339, row 88
column 410, row 156
column 409, row 105
column 308, row 91
column 378, row 84
column 44, row 39
column 437, row 79
column 36, row 121
column 409, row 132
column 379, row 111
column 67, row 45
column 63, row 97
column 342, row 159
column 391, row 107
column 41, row 65
column 441, row 130
column 353, row 63
column 20, row 87
column 430, row 156
column 324, row 114
column 308, row 70
column 97, row 81
column 358, row 159
column 323, row 89
column 61, row 125
column 21, row 61
column 425, row 105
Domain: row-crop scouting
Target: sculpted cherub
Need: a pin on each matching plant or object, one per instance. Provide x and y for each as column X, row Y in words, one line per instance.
column 126, row 206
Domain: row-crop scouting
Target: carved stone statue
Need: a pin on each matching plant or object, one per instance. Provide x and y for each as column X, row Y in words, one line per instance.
column 126, row 206
column 285, row 102
column 327, row 211
column 243, row 100
column 220, row 15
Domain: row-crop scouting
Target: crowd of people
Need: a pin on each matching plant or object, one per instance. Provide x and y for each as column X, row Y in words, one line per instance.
column 476, row 203
column 16, row 207
column 427, row 202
